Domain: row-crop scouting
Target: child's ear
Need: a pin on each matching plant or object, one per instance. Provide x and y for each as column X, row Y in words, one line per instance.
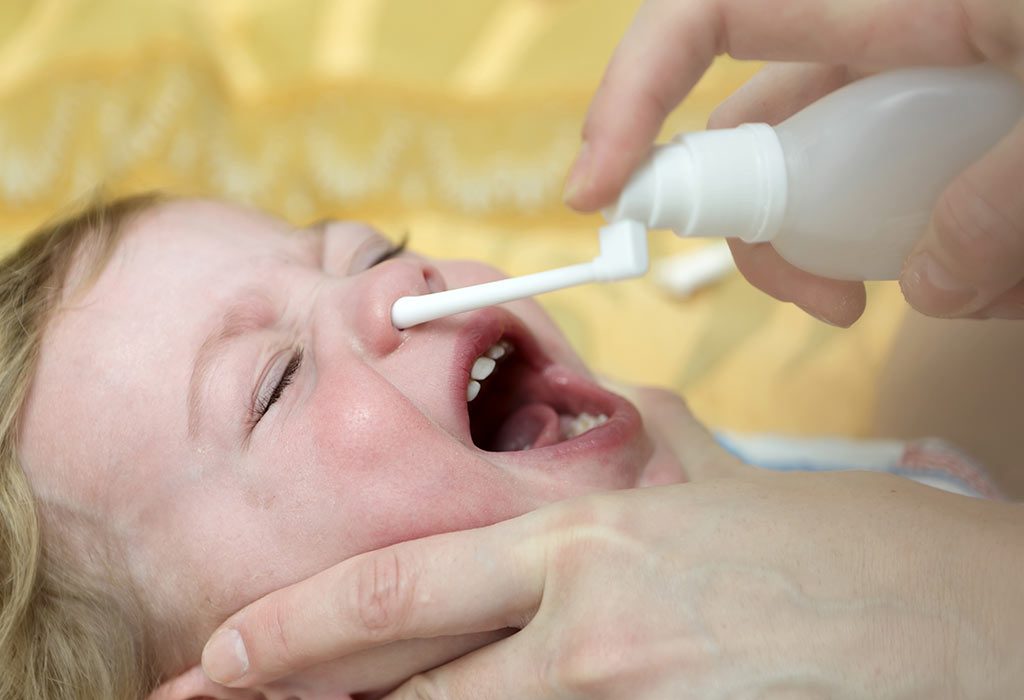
column 194, row 685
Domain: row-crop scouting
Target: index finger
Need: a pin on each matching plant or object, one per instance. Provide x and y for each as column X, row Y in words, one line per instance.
column 671, row 43
column 460, row 582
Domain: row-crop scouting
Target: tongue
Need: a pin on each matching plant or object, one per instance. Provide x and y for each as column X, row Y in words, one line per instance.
column 532, row 425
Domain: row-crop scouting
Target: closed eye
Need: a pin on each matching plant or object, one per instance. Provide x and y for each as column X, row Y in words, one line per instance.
column 265, row 400
column 393, row 252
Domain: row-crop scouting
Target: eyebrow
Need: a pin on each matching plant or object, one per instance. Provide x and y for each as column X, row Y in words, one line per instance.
column 250, row 312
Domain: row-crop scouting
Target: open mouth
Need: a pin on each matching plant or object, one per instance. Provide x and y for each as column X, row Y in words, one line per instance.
column 516, row 400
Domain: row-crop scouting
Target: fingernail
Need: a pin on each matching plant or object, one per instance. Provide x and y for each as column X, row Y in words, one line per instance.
column 815, row 314
column 932, row 289
column 225, row 659
column 579, row 175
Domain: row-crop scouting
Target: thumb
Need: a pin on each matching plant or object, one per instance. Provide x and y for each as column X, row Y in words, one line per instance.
column 456, row 583
column 973, row 251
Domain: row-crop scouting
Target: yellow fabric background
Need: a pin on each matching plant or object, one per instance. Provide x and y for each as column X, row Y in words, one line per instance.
column 454, row 120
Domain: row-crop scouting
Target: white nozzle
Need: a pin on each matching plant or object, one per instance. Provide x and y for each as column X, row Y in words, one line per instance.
column 725, row 182
column 623, row 251
column 623, row 255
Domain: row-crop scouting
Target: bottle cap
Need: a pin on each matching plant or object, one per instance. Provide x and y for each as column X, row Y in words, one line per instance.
column 724, row 182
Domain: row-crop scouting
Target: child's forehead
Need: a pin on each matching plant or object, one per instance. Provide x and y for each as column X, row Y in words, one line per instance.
column 170, row 264
column 186, row 242
column 208, row 225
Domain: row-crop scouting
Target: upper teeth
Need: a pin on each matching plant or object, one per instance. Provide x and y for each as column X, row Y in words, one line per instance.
column 484, row 366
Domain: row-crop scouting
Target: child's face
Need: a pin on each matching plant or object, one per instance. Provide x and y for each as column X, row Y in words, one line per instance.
column 141, row 420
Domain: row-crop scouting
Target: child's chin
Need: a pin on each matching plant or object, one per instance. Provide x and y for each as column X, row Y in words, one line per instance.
column 663, row 468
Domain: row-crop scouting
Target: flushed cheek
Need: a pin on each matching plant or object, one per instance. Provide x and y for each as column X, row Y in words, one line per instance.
column 396, row 476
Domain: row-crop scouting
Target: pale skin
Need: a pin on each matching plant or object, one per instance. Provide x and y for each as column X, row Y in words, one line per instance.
column 205, row 511
column 760, row 585
column 755, row 585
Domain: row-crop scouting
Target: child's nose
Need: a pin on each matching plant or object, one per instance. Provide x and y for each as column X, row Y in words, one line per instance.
column 377, row 289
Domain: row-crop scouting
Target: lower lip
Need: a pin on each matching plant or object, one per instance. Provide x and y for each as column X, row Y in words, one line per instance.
column 621, row 430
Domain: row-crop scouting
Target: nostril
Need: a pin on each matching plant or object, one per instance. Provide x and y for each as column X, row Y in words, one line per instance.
column 432, row 278
column 412, row 276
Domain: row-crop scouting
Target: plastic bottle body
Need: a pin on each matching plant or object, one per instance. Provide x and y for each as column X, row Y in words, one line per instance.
column 845, row 187
column 866, row 167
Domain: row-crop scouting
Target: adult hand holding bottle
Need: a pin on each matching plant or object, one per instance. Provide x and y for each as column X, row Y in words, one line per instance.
column 969, row 260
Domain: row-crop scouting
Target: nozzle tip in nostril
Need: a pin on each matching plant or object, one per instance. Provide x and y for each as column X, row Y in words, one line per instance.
column 403, row 313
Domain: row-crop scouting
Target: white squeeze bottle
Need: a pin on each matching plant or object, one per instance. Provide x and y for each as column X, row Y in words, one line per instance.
column 845, row 187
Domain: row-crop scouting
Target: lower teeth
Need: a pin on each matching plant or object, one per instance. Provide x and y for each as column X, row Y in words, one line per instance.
column 574, row 426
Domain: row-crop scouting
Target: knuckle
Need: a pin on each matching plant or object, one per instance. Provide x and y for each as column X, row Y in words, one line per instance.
column 277, row 632
column 424, row 687
column 384, row 591
column 581, row 668
column 656, row 100
column 592, row 665
column 971, row 229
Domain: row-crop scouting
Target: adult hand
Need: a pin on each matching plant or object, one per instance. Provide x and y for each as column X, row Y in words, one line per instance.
column 757, row 584
column 970, row 260
column 766, row 585
column 683, row 449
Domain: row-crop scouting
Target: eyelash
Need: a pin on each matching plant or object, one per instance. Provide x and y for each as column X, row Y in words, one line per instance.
column 263, row 405
column 393, row 252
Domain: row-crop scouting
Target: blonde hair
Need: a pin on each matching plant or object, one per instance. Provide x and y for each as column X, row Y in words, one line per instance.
column 63, row 633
